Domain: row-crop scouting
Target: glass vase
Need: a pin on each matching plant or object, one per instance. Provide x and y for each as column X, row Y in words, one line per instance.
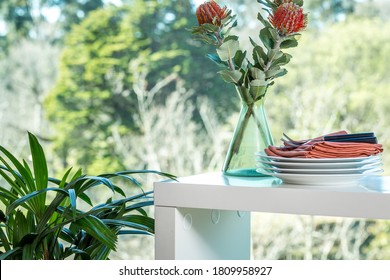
column 251, row 135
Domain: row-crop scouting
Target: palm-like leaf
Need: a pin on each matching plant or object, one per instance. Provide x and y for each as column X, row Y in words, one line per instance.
column 35, row 227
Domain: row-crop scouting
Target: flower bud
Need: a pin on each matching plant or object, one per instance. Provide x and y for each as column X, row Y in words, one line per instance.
column 210, row 12
column 288, row 19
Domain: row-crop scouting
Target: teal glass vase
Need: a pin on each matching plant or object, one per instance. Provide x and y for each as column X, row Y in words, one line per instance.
column 251, row 135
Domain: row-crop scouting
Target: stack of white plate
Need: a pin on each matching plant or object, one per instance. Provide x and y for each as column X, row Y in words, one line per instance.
column 324, row 171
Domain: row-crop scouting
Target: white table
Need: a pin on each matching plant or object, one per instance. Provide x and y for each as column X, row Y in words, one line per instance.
column 207, row 216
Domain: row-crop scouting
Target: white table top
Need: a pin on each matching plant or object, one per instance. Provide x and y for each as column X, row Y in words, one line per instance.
column 370, row 198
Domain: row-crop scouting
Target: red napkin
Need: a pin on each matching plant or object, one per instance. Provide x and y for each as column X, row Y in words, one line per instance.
column 317, row 148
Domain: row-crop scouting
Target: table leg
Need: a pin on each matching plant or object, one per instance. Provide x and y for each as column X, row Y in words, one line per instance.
column 184, row 233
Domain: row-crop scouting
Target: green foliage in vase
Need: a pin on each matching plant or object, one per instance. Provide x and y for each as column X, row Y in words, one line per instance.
column 280, row 31
column 43, row 217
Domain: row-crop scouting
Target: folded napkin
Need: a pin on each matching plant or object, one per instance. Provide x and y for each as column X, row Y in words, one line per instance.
column 318, row 148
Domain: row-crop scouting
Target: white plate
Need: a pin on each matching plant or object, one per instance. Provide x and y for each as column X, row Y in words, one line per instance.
column 318, row 160
column 318, row 165
column 358, row 170
column 321, row 179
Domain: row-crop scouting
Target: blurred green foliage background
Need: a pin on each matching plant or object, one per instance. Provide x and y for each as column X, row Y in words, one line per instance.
column 112, row 85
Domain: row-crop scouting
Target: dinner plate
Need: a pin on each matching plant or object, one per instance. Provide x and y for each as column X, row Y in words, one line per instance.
column 358, row 170
column 321, row 179
column 318, row 160
column 317, row 165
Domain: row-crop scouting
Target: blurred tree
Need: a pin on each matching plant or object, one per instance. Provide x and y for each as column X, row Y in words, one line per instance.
column 24, row 18
column 95, row 87
column 27, row 74
column 74, row 11
column 329, row 11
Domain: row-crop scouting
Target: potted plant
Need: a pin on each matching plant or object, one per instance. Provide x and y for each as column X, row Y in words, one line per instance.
column 54, row 219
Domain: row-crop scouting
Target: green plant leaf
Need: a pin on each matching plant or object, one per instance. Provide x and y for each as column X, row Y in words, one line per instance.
column 228, row 50
column 216, row 59
column 72, row 197
column 19, row 185
column 3, row 218
column 6, row 194
column 10, row 253
column 211, row 28
column 258, row 88
column 28, row 239
column 231, row 37
column 263, row 21
column 230, row 76
column 78, row 252
column 86, row 182
column 99, row 230
column 39, row 163
column 254, row 44
column 77, row 174
column 130, row 224
column 239, row 59
column 64, row 178
column 28, row 252
column 139, row 205
column 84, row 197
column 275, row 73
column 265, row 37
column 259, row 57
column 4, row 240
column 289, row 43
column 283, row 60
column 67, row 235
column 26, row 198
column 126, row 232
column 257, row 74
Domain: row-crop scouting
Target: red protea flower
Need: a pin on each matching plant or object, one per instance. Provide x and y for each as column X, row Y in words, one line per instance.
column 210, row 12
column 288, row 18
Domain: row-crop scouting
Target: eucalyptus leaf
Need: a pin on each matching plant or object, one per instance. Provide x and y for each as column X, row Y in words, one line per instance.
column 228, row 50
column 274, row 34
column 257, row 88
column 290, row 43
column 216, row 59
column 259, row 56
column 263, row 21
column 283, row 60
column 266, row 38
column 257, row 74
column 239, row 59
column 210, row 27
column 231, row 76
column 258, row 83
column 275, row 73
column 254, row 44
column 231, row 37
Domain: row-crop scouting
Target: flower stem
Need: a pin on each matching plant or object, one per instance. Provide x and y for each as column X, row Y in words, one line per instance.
column 220, row 42
column 272, row 53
